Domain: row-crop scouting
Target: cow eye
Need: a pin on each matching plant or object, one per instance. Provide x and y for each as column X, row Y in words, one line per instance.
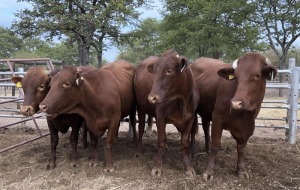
column 66, row 85
column 41, row 87
column 169, row 71
column 257, row 77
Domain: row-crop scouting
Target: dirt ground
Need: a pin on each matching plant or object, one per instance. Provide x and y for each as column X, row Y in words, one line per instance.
column 271, row 162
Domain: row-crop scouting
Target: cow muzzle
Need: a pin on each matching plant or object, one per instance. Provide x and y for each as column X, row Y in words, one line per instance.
column 27, row 110
column 153, row 99
column 237, row 104
column 43, row 107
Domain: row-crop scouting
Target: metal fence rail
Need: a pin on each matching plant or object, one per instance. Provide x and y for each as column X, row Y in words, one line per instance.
column 6, row 83
column 291, row 104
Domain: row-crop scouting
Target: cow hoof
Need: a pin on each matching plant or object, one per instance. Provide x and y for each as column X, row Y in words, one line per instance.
column 50, row 166
column 190, row 173
column 138, row 155
column 108, row 169
column 244, row 175
column 208, row 177
column 156, row 172
column 84, row 145
column 74, row 164
column 92, row 164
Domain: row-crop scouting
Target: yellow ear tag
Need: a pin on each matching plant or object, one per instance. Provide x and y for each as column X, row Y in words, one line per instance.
column 19, row 85
column 231, row 77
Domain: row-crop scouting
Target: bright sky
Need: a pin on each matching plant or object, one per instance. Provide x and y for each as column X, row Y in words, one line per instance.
column 9, row 7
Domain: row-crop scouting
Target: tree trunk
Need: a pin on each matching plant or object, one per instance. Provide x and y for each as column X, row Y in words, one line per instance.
column 99, row 57
column 84, row 54
column 282, row 76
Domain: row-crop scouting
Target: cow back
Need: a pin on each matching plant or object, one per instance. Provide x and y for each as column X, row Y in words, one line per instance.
column 123, row 73
column 211, row 85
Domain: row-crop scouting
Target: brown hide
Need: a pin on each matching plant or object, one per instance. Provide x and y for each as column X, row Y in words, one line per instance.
column 219, row 85
column 98, row 97
column 124, row 84
column 143, row 81
column 35, row 85
column 175, row 94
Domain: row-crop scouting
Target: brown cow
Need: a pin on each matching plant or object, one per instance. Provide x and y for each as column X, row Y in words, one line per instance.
column 175, row 94
column 36, row 86
column 231, row 97
column 143, row 82
column 102, row 97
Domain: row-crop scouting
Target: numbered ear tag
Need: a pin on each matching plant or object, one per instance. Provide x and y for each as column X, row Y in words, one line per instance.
column 231, row 77
column 19, row 85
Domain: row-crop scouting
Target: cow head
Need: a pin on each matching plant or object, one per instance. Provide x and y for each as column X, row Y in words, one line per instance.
column 35, row 85
column 167, row 72
column 64, row 92
column 250, row 73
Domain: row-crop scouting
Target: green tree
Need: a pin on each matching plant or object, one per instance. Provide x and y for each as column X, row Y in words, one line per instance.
column 37, row 48
column 10, row 43
column 88, row 23
column 142, row 42
column 209, row 27
column 280, row 25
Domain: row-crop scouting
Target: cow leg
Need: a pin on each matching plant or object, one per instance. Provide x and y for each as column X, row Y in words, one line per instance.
column 216, row 133
column 132, row 121
column 74, row 141
column 141, row 130
column 193, row 136
column 241, row 169
column 93, row 149
column 205, row 126
column 84, row 143
column 161, row 139
column 53, row 142
column 185, row 137
column 112, row 133
column 149, row 125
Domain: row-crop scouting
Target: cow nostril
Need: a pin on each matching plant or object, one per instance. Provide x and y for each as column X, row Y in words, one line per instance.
column 43, row 107
column 152, row 99
column 237, row 104
column 27, row 110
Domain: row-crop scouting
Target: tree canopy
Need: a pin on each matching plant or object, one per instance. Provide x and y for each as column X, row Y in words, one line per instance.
column 10, row 43
column 143, row 42
column 280, row 25
column 209, row 28
column 88, row 23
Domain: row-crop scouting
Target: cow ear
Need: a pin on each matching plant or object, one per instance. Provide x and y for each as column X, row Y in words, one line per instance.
column 183, row 62
column 79, row 78
column 17, row 80
column 226, row 73
column 150, row 67
column 269, row 72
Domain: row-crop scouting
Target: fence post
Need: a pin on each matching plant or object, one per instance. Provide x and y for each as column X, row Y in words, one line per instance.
column 294, row 94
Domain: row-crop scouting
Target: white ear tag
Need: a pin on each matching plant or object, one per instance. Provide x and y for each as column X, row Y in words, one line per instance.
column 182, row 69
column 78, row 80
column 272, row 76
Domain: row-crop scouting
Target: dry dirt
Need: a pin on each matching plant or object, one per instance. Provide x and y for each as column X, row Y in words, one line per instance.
column 272, row 163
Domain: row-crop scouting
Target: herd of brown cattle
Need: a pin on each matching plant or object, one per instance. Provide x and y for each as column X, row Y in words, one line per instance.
column 166, row 88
